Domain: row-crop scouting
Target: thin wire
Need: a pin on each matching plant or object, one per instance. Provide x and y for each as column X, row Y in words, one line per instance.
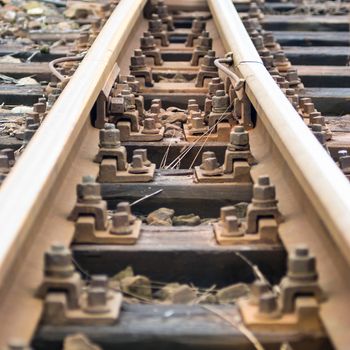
column 200, row 149
column 207, row 133
column 52, row 64
column 238, row 325
column 257, row 272
column 165, row 157
column 146, row 197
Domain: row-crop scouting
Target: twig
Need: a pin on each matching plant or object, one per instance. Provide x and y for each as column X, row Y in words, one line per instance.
column 238, row 325
column 146, row 197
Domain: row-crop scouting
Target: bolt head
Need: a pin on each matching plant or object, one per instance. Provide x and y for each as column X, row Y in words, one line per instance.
column 229, row 210
column 301, row 264
column 239, row 136
column 58, row 261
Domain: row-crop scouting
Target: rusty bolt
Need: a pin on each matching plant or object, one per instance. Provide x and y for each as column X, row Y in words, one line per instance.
column 99, row 281
column 210, row 164
column 138, row 60
column 129, row 98
column 197, row 26
column 214, row 85
column 254, row 11
column 157, row 101
column 313, row 115
column 195, row 114
column 96, row 300
column 149, row 126
column 109, row 136
column 89, row 191
column 290, row 92
column 266, row 57
column 318, row 133
column 258, row 42
column 155, row 24
column 124, row 207
column 162, row 9
column 121, row 224
column 134, row 84
column 292, row 76
column 319, row 119
column 301, row 264
column 263, row 189
column 220, row 102
column 248, row 24
column 147, row 41
column 208, row 61
column 58, row 261
column 229, row 210
column 207, row 154
column 197, row 123
column 304, row 100
column 29, row 121
column 205, row 43
column 192, row 106
column 232, row 226
column 143, row 153
column 267, row 303
column 269, row 40
column 308, row 107
column 273, row 71
column 137, row 166
column 280, row 58
column 155, row 108
column 239, row 137
column 39, row 107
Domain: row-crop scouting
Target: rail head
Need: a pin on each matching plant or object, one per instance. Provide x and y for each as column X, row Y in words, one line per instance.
column 320, row 180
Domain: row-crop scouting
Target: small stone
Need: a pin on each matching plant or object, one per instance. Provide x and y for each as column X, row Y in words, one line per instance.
column 241, row 210
column 27, row 81
column 161, row 217
column 229, row 294
column 137, row 286
column 175, row 293
column 127, row 272
column 186, row 220
column 78, row 342
column 172, row 127
column 21, row 109
column 9, row 59
column 171, row 133
column 172, row 117
column 209, row 221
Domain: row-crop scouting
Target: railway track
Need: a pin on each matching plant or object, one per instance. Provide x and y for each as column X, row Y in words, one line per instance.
column 188, row 161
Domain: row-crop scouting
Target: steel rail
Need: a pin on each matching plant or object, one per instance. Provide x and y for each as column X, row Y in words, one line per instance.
column 25, row 191
column 317, row 173
column 319, row 179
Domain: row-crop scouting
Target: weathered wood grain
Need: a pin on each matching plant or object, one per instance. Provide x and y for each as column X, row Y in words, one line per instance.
column 306, row 23
column 164, row 327
column 324, row 76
